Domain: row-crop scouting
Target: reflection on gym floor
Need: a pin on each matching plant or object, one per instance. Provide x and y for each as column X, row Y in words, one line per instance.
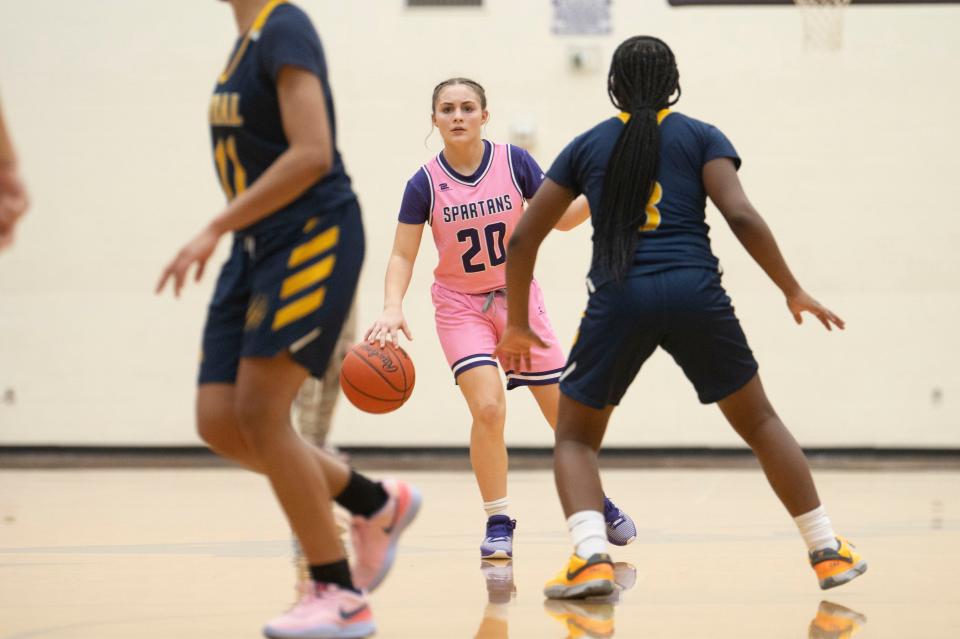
column 203, row 554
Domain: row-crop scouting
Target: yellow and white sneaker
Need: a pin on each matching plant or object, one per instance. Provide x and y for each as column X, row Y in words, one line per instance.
column 582, row 619
column 835, row 567
column 834, row 621
column 582, row 578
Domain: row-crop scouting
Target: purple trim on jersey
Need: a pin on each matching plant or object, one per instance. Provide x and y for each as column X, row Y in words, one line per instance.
column 527, row 174
column 430, row 187
column 484, row 362
column 513, row 173
column 538, row 376
column 474, row 356
column 485, row 163
column 464, row 364
column 417, row 204
column 544, row 378
column 517, row 383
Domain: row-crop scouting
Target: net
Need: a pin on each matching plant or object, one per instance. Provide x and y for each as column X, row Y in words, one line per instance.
column 823, row 23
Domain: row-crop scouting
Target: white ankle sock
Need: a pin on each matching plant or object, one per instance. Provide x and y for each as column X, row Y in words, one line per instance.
column 588, row 532
column 497, row 506
column 816, row 529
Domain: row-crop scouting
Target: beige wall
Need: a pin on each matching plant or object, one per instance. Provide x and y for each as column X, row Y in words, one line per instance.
column 851, row 157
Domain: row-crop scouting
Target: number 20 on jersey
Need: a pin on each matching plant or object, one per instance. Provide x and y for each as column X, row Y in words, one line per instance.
column 494, row 236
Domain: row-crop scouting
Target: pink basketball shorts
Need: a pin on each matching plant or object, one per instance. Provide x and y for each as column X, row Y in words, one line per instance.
column 469, row 327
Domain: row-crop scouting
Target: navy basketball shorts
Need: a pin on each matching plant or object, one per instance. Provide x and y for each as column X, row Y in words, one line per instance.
column 284, row 290
column 685, row 311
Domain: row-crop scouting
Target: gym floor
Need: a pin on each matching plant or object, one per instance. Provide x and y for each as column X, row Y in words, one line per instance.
column 205, row 553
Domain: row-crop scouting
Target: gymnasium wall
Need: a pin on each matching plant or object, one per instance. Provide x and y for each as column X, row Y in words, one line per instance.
column 851, row 157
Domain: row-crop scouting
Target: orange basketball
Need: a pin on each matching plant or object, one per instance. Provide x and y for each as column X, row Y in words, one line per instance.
column 377, row 380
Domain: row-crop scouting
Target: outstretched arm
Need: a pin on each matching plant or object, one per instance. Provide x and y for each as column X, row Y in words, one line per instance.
column 546, row 208
column 406, row 245
column 723, row 186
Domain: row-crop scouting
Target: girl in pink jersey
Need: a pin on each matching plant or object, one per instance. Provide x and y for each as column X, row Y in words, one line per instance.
column 472, row 195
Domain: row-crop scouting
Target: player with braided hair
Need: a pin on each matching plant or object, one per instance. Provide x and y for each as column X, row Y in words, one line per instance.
column 654, row 281
column 471, row 195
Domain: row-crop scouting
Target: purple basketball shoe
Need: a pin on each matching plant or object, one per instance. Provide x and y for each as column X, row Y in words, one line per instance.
column 498, row 543
column 620, row 528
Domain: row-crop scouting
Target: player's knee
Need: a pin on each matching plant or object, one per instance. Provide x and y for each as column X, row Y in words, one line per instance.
column 490, row 414
column 753, row 431
column 215, row 431
column 250, row 413
column 216, row 424
column 257, row 418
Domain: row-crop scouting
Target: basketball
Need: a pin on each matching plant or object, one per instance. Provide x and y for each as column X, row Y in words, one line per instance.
column 377, row 380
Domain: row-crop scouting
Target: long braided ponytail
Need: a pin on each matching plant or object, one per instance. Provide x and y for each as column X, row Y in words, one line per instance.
column 642, row 80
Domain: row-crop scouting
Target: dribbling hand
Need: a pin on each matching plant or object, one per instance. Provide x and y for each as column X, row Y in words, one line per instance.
column 387, row 328
column 197, row 251
column 514, row 347
column 801, row 302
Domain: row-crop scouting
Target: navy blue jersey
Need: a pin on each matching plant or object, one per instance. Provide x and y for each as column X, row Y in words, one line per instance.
column 245, row 123
column 675, row 233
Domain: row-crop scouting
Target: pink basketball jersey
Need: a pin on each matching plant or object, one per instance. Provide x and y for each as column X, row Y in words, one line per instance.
column 472, row 223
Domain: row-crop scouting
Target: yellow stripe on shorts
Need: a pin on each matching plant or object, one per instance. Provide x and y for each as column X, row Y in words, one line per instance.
column 306, row 278
column 323, row 242
column 299, row 309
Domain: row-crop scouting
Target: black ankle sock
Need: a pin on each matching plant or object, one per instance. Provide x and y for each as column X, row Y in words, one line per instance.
column 336, row 573
column 362, row 496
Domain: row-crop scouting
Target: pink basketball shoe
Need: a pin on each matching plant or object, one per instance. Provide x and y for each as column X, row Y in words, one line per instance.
column 375, row 539
column 324, row 612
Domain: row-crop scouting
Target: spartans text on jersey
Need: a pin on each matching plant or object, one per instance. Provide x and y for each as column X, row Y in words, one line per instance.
column 480, row 208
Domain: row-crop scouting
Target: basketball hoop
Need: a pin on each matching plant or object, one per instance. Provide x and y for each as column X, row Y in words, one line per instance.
column 823, row 23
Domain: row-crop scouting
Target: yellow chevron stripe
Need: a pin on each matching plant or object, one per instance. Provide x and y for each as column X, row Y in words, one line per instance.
column 299, row 309
column 323, row 242
column 257, row 26
column 307, row 277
